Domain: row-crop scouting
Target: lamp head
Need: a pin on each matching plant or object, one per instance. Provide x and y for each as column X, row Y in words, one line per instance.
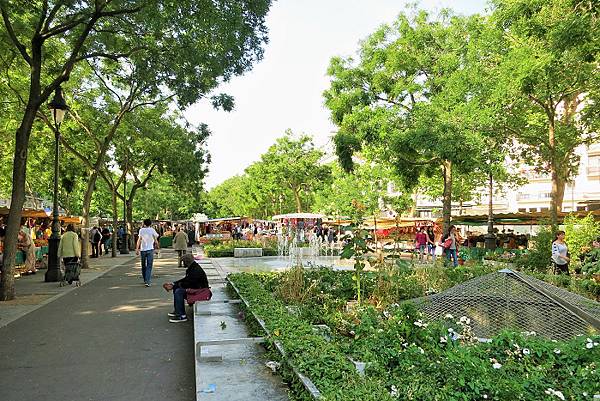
column 58, row 107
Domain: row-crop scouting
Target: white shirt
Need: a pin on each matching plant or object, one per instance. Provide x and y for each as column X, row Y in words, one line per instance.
column 147, row 237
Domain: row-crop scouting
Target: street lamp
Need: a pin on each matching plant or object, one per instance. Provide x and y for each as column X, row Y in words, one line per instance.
column 490, row 237
column 124, row 241
column 58, row 107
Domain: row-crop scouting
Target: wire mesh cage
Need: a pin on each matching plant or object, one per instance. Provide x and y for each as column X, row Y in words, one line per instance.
column 510, row 300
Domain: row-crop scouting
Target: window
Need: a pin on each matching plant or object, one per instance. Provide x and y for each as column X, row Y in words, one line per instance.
column 544, row 209
column 522, row 209
column 580, row 208
column 532, row 209
column 566, row 208
column 545, row 195
column 521, row 196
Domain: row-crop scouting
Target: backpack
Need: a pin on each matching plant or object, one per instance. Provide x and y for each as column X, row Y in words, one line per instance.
column 97, row 236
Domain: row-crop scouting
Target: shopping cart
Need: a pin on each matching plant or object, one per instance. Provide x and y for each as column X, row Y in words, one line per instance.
column 71, row 274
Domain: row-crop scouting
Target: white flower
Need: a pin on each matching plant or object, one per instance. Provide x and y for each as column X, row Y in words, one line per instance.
column 443, row 340
column 405, row 345
column 485, row 396
column 465, row 320
column 394, row 392
column 497, row 365
column 526, row 351
column 589, row 345
column 556, row 351
column 421, row 350
column 597, row 396
column 451, row 330
column 386, row 314
column 448, row 316
column 419, row 323
column 557, row 393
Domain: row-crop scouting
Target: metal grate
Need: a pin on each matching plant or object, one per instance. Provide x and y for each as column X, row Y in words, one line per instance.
column 514, row 301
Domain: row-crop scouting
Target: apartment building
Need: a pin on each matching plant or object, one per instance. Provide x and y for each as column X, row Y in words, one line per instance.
column 534, row 196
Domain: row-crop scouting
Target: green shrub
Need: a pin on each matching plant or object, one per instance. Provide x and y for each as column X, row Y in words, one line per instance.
column 225, row 249
column 579, row 234
column 538, row 258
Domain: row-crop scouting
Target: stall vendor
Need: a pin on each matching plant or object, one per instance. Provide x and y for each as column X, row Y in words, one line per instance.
column 25, row 244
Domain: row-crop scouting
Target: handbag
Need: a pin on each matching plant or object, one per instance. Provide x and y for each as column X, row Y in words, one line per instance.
column 197, row 294
column 448, row 243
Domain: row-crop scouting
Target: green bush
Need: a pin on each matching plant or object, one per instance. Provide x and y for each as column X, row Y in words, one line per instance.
column 579, row 234
column 225, row 249
column 538, row 259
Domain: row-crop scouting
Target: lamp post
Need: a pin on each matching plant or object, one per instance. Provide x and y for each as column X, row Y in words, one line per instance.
column 490, row 237
column 124, row 241
column 58, row 108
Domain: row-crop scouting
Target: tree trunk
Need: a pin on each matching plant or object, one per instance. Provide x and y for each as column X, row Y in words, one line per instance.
column 85, row 231
column 558, row 182
column 557, row 195
column 297, row 199
column 413, row 208
column 129, row 223
column 447, row 197
column 115, row 214
column 7, row 289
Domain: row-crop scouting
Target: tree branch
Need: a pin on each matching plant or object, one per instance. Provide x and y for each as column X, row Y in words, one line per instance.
column 12, row 36
column 87, row 130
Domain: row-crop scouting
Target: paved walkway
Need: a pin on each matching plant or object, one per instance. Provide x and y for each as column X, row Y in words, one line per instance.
column 109, row 339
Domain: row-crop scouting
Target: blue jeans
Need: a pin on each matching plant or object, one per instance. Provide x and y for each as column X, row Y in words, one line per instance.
column 452, row 253
column 147, row 259
column 179, row 295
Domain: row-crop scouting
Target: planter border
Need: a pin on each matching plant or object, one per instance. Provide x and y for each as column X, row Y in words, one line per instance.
column 306, row 382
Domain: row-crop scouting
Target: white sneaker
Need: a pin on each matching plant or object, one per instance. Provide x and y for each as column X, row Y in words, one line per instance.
column 179, row 319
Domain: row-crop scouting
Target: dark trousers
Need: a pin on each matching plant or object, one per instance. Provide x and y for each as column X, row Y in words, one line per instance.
column 561, row 269
column 180, row 253
column 95, row 250
column 179, row 295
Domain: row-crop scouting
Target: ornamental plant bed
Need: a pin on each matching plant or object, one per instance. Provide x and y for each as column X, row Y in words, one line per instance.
column 226, row 249
column 405, row 356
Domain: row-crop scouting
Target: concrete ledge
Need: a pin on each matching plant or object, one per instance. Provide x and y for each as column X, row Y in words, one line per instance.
column 247, row 252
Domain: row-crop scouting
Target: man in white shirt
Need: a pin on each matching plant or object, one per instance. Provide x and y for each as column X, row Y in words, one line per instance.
column 146, row 243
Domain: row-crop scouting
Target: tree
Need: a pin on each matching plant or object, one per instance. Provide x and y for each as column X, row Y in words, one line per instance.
column 547, row 82
column 368, row 184
column 294, row 164
column 408, row 100
column 205, row 44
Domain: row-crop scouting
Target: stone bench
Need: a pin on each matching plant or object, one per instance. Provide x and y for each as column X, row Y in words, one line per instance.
column 247, row 252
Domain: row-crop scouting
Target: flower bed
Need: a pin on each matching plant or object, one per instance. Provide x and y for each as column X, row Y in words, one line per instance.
column 225, row 249
column 406, row 357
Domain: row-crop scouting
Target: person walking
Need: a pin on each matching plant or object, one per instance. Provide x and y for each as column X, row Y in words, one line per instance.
column 195, row 277
column 95, row 238
column 180, row 244
column 146, row 244
column 69, row 248
column 421, row 243
column 560, row 254
column 431, row 243
column 106, row 240
column 451, row 245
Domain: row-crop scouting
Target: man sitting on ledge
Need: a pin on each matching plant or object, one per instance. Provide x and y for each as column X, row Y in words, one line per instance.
column 195, row 277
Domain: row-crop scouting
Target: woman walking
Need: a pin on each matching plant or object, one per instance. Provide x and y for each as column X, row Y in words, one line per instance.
column 451, row 245
column 560, row 253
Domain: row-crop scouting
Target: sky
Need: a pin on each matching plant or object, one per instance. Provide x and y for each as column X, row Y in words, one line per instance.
column 284, row 90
